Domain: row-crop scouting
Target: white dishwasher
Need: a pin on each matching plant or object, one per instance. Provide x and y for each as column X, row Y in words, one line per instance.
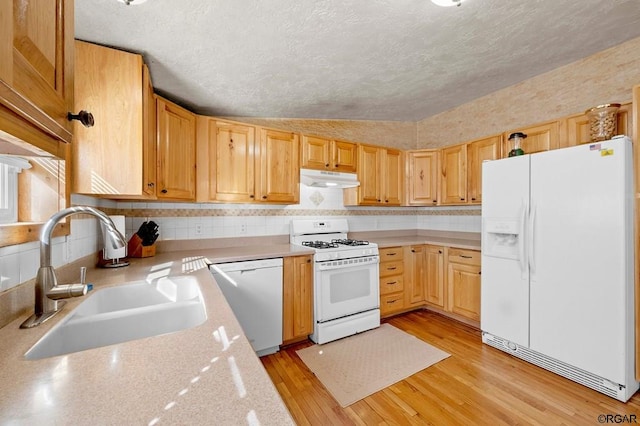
column 254, row 292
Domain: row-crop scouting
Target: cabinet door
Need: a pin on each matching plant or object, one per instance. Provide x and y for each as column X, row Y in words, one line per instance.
column 423, row 178
column 316, row 153
column 231, row 161
column 479, row 151
column 434, row 276
column 393, row 177
column 176, row 151
column 297, row 297
column 108, row 157
column 464, row 290
column 345, row 156
column 369, row 166
column 36, row 46
column 414, row 286
column 578, row 127
column 453, row 172
column 279, row 167
column 149, row 147
column 543, row 137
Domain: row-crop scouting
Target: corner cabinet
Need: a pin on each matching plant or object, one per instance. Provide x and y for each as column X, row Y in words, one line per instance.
column 434, row 291
column 328, row 154
column 422, row 183
column 453, row 175
column 381, row 176
column 115, row 86
column 36, row 71
column 297, row 319
column 176, row 142
column 241, row 163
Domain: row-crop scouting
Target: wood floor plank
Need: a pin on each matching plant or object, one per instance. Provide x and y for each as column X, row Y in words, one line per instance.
column 477, row 385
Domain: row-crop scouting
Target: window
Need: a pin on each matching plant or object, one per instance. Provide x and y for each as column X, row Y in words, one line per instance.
column 9, row 169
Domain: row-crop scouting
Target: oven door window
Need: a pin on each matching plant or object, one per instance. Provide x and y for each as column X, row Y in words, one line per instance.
column 346, row 291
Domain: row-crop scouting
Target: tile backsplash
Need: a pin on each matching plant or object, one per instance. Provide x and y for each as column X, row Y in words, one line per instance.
column 185, row 221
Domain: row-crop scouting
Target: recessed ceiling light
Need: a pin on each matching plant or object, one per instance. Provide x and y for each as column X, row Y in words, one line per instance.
column 447, row 3
column 132, row 2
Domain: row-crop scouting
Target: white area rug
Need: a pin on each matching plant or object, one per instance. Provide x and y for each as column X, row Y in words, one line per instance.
column 358, row 366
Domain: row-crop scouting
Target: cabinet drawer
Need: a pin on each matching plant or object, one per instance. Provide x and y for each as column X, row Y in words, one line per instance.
column 391, row 284
column 391, row 268
column 390, row 253
column 467, row 257
column 391, row 303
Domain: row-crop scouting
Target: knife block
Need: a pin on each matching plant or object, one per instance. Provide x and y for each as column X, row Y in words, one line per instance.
column 136, row 249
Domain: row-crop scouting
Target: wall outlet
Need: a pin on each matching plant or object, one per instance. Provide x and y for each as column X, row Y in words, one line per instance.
column 243, row 228
column 198, row 229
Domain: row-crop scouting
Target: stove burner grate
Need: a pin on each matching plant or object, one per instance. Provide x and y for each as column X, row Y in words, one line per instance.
column 320, row 244
column 350, row 242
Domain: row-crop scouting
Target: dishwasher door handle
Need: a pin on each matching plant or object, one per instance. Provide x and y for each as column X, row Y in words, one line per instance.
column 245, row 271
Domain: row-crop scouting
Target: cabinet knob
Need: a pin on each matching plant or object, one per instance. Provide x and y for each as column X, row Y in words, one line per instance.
column 378, row 200
column 326, row 165
column 386, row 201
column 473, row 199
column 413, row 251
column 434, row 201
column 308, row 260
column 337, row 165
column 164, row 191
column 86, row 118
column 461, row 199
column 264, row 197
column 439, row 251
column 151, row 184
column 252, row 196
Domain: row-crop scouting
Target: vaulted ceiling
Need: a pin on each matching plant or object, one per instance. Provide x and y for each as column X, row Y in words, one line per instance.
column 402, row 60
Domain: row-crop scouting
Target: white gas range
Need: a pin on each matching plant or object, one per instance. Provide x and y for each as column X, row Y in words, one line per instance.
column 346, row 289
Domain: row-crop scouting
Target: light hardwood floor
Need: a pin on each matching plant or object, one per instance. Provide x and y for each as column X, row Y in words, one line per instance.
column 476, row 385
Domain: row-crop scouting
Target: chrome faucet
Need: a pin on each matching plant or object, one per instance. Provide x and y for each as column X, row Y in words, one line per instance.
column 48, row 291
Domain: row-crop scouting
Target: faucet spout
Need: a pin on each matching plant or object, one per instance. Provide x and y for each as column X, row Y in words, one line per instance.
column 47, row 290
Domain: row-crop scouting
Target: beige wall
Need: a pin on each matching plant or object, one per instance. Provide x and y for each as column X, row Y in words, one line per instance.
column 605, row 77
column 396, row 134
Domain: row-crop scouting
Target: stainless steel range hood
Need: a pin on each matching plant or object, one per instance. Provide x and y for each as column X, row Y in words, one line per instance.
column 326, row 179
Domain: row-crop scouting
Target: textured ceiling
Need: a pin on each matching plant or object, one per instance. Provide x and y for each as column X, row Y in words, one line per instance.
column 401, row 60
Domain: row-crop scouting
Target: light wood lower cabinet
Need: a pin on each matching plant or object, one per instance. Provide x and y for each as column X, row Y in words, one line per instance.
column 414, row 289
column 434, row 288
column 297, row 319
column 463, row 283
column 392, row 276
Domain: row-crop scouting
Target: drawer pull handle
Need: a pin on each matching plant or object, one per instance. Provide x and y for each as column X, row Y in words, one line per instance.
column 391, row 269
column 392, row 282
column 391, row 254
column 389, row 302
column 465, row 257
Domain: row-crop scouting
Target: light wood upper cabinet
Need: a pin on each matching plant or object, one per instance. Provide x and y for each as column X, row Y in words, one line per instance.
column 542, row 137
column 279, row 167
column 463, row 282
column 327, row 154
column 297, row 301
column 577, row 127
column 381, row 176
column 244, row 164
column 422, row 178
column 453, row 174
column 477, row 152
column 36, row 71
column 225, row 161
column 434, row 288
column 116, row 157
column 176, row 141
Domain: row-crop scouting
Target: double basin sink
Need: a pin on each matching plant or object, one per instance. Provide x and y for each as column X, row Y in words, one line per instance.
column 126, row 312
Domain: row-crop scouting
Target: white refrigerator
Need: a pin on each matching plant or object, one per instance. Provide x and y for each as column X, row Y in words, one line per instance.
column 558, row 262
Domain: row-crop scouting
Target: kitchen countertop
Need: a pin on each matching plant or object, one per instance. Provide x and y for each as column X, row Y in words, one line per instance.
column 208, row 374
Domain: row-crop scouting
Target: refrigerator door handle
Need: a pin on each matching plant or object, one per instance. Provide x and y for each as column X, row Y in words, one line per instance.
column 532, row 245
column 521, row 243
